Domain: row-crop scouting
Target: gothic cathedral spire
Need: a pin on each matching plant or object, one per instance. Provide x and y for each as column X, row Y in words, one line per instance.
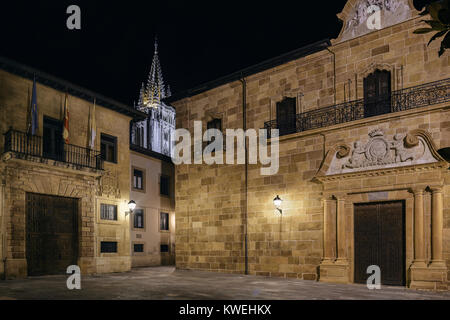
column 155, row 90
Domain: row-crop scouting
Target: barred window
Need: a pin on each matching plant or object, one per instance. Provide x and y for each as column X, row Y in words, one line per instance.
column 108, row 212
column 164, row 248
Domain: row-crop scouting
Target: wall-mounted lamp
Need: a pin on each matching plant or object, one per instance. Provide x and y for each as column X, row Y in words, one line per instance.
column 131, row 206
column 277, row 203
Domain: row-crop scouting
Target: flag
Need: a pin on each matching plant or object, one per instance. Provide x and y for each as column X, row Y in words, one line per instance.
column 34, row 110
column 66, row 121
column 92, row 129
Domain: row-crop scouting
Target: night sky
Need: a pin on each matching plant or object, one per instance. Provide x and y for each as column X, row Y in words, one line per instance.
column 198, row 41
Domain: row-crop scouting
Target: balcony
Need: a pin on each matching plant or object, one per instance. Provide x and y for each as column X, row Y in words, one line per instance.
column 406, row 99
column 29, row 147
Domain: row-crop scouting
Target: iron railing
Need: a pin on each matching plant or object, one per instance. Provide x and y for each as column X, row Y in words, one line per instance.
column 26, row 145
column 401, row 100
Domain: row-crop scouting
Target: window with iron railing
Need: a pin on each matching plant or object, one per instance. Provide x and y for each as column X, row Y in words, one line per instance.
column 27, row 146
column 428, row 94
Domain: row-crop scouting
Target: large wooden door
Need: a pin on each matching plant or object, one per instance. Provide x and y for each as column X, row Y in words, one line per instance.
column 380, row 240
column 52, row 234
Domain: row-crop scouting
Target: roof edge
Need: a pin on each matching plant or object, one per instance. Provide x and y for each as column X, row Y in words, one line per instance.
column 53, row 82
column 260, row 67
column 151, row 153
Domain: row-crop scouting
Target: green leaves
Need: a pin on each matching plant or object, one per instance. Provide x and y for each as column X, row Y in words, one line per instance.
column 440, row 14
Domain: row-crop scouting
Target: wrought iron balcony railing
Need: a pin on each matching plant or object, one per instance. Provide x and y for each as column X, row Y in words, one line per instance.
column 415, row 97
column 26, row 145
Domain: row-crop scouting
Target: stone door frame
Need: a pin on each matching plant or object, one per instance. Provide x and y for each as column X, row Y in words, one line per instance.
column 341, row 192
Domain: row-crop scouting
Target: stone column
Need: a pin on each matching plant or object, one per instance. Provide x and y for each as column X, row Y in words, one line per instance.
column 329, row 230
column 341, row 230
column 419, row 239
column 437, row 227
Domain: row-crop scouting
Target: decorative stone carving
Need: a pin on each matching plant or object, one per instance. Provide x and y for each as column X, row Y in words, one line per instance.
column 381, row 152
column 109, row 185
column 392, row 12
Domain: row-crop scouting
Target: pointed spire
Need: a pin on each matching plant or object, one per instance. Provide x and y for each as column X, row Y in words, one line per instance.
column 154, row 92
column 142, row 99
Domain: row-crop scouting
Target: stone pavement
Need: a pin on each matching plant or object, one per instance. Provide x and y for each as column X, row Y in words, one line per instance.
column 164, row 283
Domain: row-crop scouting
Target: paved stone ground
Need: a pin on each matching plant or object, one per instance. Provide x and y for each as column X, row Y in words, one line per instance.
column 164, row 283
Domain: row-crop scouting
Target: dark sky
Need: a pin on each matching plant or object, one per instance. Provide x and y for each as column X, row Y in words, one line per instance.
column 199, row 40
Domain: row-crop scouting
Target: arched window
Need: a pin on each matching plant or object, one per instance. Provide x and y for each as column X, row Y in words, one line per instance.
column 377, row 93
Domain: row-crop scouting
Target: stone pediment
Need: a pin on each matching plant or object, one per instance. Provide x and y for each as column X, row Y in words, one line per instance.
column 361, row 17
column 381, row 152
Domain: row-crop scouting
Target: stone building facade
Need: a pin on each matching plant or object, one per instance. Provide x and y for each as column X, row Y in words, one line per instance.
column 153, row 221
column 62, row 204
column 361, row 121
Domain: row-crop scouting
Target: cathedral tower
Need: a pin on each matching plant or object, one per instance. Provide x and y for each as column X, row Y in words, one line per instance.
column 154, row 133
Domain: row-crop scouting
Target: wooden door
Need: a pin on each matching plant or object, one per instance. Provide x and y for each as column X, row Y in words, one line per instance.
column 380, row 240
column 52, row 234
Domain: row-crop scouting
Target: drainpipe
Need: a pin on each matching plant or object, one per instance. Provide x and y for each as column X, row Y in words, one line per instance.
column 244, row 110
column 334, row 67
column 2, row 211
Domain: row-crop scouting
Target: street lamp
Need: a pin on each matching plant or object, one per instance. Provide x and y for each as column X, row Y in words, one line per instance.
column 277, row 203
column 131, row 206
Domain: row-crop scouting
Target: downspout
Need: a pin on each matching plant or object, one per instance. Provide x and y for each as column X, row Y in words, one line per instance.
column 244, row 110
column 334, row 72
column 4, row 247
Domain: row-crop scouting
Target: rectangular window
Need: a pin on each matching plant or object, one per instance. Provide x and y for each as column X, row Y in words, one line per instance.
column 139, row 219
column 165, row 186
column 164, row 222
column 164, row 248
column 108, row 247
column 377, row 93
column 53, row 142
column 215, row 124
column 138, row 179
column 286, row 116
column 109, row 148
column 139, row 248
column 108, row 212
